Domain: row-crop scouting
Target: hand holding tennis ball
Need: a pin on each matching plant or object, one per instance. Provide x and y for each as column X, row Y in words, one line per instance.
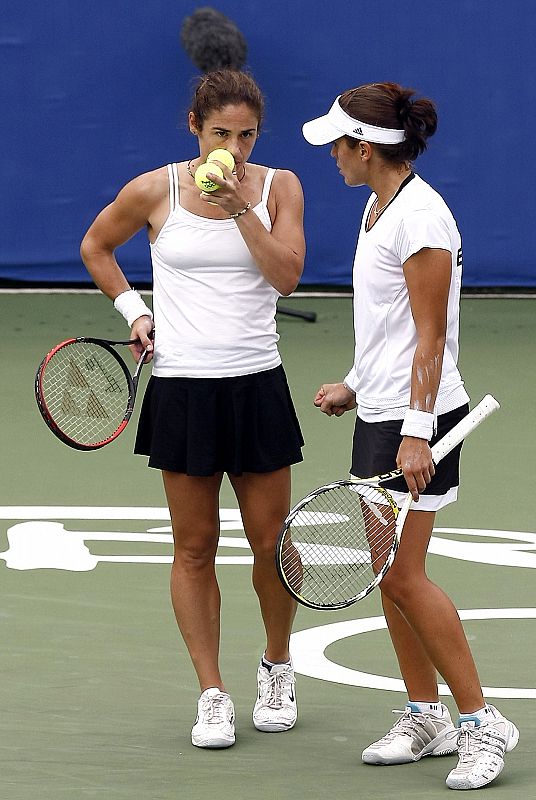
column 204, row 183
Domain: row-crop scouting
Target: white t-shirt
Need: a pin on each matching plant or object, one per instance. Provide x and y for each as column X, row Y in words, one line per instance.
column 385, row 332
column 214, row 312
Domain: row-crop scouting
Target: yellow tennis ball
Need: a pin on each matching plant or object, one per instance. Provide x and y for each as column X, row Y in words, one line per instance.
column 204, row 183
column 224, row 156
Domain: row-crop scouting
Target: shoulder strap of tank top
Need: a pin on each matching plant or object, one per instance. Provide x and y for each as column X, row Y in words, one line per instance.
column 267, row 184
column 173, row 177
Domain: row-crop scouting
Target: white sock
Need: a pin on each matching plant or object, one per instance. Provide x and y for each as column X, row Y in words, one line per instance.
column 434, row 709
column 483, row 714
column 271, row 664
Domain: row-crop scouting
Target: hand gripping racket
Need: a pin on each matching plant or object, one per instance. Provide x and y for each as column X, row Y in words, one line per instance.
column 85, row 392
column 337, row 543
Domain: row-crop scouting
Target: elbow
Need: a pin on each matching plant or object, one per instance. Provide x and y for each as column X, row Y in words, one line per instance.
column 91, row 249
column 290, row 281
column 287, row 288
column 86, row 248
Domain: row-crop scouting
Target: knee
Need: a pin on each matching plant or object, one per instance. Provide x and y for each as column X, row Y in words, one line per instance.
column 195, row 552
column 402, row 589
column 263, row 548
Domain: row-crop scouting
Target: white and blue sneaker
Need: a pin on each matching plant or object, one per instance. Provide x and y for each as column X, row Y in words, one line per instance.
column 214, row 725
column 275, row 708
column 481, row 749
column 413, row 736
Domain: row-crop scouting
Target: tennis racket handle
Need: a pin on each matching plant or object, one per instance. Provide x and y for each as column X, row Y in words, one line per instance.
column 478, row 414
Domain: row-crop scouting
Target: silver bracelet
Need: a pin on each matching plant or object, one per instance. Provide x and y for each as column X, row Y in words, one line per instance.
column 239, row 213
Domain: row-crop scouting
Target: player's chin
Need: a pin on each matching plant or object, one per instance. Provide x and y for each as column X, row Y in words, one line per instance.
column 351, row 180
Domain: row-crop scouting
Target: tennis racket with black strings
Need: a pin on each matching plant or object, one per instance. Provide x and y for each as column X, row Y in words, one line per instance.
column 85, row 392
column 338, row 543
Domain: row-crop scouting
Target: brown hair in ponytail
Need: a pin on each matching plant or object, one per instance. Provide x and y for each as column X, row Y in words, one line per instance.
column 389, row 105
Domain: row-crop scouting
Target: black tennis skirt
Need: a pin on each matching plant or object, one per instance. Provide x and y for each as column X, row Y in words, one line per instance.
column 376, row 445
column 201, row 426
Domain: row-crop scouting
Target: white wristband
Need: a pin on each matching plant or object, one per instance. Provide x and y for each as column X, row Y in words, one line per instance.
column 418, row 423
column 131, row 306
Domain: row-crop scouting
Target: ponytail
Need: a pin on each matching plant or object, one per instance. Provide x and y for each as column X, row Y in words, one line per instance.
column 389, row 105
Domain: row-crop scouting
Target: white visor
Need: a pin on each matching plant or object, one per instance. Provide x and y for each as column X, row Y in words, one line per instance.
column 337, row 123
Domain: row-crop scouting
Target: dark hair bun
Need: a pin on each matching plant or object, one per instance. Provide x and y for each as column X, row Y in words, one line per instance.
column 420, row 121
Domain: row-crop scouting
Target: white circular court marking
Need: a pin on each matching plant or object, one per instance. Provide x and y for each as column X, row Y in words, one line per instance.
column 309, row 658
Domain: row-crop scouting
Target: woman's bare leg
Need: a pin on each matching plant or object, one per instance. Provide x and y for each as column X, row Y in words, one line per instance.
column 194, row 506
column 425, row 627
column 264, row 500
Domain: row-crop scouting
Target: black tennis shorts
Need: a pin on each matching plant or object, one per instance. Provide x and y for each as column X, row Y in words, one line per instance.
column 376, row 445
column 201, row 426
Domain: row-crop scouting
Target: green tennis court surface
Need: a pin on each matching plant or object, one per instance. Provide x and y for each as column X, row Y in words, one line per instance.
column 98, row 695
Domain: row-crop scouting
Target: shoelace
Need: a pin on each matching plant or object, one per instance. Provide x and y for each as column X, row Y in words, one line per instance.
column 213, row 709
column 277, row 684
column 473, row 740
column 407, row 724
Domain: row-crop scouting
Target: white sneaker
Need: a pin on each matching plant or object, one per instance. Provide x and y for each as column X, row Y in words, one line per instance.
column 275, row 708
column 481, row 749
column 412, row 737
column 214, row 725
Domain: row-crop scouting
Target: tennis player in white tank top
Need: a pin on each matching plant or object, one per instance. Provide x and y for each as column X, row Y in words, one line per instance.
column 205, row 276
column 217, row 401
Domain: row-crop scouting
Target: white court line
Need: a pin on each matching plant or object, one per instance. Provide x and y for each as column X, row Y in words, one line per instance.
column 308, row 653
column 38, row 539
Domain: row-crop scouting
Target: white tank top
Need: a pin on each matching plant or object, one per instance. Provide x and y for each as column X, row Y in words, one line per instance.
column 214, row 312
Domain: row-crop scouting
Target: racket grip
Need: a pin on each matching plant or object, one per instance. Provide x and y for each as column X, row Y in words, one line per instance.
column 478, row 414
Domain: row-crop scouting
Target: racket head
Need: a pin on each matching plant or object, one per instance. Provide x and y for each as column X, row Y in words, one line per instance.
column 84, row 392
column 337, row 544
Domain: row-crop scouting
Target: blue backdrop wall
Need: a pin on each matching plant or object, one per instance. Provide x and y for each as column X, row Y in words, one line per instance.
column 93, row 94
